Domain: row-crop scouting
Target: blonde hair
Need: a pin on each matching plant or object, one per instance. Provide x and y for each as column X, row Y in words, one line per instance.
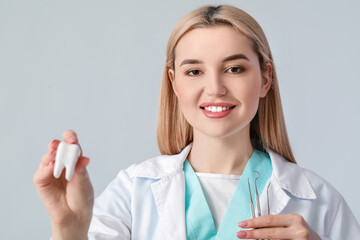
column 267, row 129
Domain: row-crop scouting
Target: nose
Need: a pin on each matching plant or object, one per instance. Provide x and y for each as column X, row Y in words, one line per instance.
column 215, row 86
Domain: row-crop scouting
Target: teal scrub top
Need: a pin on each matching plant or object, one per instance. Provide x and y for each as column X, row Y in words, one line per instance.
column 198, row 218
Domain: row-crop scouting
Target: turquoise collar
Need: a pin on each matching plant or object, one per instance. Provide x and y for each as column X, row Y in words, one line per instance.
column 199, row 221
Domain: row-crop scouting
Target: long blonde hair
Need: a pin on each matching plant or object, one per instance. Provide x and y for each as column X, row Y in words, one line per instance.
column 267, row 129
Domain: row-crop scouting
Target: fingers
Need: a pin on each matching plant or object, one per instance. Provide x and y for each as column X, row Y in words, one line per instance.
column 53, row 145
column 44, row 174
column 47, row 158
column 283, row 226
column 80, row 176
column 48, row 165
column 82, row 163
column 268, row 221
column 70, row 136
column 48, row 162
column 80, row 188
column 78, row 172
column 266, row 233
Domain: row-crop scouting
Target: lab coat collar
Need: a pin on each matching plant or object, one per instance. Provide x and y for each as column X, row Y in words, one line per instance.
column 288, row 176
column 291, row 177
column 163, row 165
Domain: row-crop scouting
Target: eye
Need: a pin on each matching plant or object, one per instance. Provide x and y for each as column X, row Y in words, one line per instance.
column 236, row 69
column 194, row 72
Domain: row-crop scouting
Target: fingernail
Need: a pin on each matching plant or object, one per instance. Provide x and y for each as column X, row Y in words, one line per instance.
column 241, row 234
column 242, row 224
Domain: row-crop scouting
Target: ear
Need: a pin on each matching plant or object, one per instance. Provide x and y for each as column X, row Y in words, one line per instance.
column 266, row 80
column 171, row 75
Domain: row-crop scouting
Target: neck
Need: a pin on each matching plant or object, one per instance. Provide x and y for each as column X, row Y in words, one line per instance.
column 226, row 155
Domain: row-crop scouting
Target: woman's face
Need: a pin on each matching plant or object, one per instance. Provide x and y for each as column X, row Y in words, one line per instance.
column 217, row 68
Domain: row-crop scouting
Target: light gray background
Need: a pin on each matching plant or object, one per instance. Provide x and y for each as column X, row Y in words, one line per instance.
column 96, row 66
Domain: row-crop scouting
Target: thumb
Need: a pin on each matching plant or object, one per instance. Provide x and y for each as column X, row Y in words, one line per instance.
column 80, row 190
column 81, row 176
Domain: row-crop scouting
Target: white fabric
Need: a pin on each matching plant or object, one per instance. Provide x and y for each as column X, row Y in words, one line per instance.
column 218, row 190
column 146, row 201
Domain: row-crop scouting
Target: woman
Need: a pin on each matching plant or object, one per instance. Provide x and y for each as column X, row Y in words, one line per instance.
column 220, row 118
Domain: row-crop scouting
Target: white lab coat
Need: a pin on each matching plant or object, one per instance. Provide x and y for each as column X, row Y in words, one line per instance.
column 146, row 201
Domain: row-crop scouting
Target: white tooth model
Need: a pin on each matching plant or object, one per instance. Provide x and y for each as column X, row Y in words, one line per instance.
column 67, row 156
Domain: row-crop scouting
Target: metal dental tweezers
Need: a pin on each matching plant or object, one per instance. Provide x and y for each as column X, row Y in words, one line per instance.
column 257, row 199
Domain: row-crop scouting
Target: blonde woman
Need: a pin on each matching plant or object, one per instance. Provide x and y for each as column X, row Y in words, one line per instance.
column 220, row 130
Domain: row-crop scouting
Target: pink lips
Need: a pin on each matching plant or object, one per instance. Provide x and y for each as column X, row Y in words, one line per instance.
column 216, row 114
column 222, row 104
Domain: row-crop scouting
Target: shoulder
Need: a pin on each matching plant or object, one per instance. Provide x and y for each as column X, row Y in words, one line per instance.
column 337, row 216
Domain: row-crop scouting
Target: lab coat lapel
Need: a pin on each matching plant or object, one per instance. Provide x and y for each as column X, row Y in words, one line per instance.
column 168, row 191
column 291, row 177
column 287, row 179
column 169, row 199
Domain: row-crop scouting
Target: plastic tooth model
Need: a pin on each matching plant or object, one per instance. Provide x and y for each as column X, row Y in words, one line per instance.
column 67, row 156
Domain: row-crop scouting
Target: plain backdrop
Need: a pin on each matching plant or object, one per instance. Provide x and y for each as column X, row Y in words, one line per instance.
column 96, row 66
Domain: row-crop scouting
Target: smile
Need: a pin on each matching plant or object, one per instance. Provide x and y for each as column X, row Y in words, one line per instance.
column 217, row 108
column 216, row 111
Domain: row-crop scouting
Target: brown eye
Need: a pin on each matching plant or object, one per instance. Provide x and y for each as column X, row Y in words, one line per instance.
column 236, row 69
column 193, row 72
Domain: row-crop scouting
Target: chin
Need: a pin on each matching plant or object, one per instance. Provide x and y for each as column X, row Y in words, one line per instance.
column 222, row 130
column 216, row 133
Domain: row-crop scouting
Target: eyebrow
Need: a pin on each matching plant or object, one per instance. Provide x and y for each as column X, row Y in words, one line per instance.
column 229, row 58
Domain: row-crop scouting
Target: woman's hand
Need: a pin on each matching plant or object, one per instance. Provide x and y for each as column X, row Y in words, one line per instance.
column 69, row 203
column 286, row 226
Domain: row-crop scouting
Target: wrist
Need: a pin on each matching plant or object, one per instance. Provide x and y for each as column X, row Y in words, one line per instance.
column 65, row 234
column 70, row 231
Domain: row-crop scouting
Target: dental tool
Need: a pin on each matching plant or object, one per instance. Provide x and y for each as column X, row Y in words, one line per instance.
column 257, row 199
column 251, row 202
column 257, row 196
column 268, row 201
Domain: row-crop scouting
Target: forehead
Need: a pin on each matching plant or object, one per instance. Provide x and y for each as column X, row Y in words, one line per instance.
column 212, row 43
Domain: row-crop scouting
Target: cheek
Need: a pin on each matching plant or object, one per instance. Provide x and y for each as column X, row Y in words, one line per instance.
column 187, row 94
column 187, row 103
column 248, row 91
column 248, row 95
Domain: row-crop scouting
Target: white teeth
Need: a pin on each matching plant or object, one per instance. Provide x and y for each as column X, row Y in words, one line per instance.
column 216, row 109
